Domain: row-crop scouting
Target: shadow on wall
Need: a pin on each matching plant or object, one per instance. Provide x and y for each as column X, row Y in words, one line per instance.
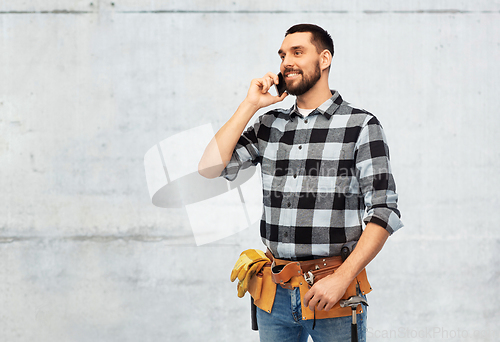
column 216, row 207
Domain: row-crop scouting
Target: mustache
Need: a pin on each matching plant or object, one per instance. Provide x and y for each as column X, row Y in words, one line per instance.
column 288, row 71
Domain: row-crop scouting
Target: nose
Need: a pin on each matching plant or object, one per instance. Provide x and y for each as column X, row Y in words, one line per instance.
column 287, row 61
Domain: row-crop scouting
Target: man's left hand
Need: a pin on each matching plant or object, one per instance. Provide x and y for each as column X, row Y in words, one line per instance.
column 326, row 292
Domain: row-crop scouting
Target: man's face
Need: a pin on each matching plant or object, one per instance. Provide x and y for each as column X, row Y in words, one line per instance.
column 299, row 63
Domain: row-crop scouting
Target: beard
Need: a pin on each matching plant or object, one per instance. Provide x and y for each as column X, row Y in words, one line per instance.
column 308, row 81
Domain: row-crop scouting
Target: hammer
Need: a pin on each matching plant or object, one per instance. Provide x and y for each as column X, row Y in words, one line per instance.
column 353, row 302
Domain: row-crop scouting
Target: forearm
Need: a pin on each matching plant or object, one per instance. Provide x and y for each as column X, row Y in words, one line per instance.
column 328, row 291
column 219, row 151
column 221, row 147
column 369, row 245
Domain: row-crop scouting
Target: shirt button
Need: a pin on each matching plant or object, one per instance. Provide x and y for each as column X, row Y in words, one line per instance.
column 305, row 121
column 300, row 147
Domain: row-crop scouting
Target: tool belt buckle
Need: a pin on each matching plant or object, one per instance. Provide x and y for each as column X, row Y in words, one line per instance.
column 309, row 277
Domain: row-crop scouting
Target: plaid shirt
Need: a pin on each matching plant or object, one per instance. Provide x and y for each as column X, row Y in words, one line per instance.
column 323, row 176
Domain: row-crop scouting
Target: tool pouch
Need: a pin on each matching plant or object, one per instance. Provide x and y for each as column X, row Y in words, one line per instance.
column 282, row 274
column 322, row 273
column 263, row 289
column 361, row 280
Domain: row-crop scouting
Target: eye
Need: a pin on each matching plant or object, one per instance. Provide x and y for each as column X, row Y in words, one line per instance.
column 298, row 53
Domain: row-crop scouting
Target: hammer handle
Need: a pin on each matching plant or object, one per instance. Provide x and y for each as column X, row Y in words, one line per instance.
column 253, row 310
column 354, row 333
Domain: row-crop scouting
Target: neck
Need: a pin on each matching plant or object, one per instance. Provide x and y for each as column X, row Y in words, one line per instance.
column 318, row 94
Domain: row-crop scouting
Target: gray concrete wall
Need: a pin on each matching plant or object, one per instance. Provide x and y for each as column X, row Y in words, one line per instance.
column 87, row 87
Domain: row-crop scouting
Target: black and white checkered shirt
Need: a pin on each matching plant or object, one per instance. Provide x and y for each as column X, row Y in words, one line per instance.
column 323, row 177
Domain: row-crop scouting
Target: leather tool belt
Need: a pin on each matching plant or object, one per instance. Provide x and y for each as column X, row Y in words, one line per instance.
column 302, row 274
column 312, row 270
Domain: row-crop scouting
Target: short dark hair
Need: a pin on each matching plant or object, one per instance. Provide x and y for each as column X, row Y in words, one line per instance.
column 320, row 38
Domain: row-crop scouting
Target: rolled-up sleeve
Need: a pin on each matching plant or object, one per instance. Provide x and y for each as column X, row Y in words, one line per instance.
column 245, row 154
column 373, row 170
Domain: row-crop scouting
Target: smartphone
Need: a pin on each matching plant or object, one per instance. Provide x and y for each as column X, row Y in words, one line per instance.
column 281, row 86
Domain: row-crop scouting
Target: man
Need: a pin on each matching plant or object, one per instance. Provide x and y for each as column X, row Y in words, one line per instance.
column 325, row 174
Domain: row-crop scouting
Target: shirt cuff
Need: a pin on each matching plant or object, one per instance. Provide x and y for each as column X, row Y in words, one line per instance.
column 384, row 217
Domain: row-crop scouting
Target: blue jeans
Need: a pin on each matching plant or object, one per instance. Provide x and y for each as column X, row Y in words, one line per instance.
column 285, row 324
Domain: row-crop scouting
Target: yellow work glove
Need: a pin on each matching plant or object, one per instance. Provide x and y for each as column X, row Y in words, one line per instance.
column 244, row 284
column 246, row 260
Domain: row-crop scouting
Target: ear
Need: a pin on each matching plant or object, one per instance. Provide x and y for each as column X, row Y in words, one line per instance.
column 325, row 59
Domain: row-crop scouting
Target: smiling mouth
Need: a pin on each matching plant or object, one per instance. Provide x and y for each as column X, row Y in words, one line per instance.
column 292, row 74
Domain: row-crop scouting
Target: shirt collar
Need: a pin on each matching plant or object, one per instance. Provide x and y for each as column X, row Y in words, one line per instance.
column 327, row 108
